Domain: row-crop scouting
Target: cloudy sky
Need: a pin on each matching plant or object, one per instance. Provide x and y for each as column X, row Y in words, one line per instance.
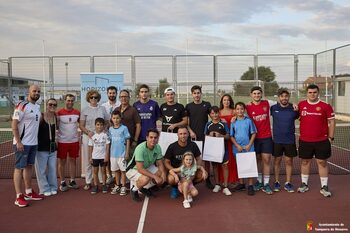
column 99, row 27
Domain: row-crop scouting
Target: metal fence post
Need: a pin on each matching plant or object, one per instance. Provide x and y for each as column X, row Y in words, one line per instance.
column 315, row 65
column 133, row 72
column 51, row 77
column 334, row 78
column 92, row 64
column 215, row 80
column 256, row 74
column 174, row 72
column 296, row 64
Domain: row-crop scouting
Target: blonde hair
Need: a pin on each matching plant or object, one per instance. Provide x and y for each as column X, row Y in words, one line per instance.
column 93, row 92
column 188, row 153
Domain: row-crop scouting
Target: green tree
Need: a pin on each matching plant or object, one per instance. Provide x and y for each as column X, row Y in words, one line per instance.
column 163, row 84
column 265, row 74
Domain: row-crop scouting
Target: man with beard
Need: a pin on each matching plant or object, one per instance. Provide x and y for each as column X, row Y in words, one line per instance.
column 25, row 126
column 284, row 117
column 148, row 110
column 110, row 105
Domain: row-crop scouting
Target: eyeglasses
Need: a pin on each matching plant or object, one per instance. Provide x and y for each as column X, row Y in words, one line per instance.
column 52, row 105
column 93, row 97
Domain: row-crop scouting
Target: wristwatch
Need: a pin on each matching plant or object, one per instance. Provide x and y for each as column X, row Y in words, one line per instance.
column 331, row 138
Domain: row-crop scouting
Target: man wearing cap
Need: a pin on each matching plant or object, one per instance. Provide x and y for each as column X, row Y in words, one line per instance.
column 284, row 117
column 173, row 114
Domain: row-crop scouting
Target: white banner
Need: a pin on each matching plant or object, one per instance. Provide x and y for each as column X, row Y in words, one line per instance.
column 214, row 149
column 246, row 165
column 165, row 139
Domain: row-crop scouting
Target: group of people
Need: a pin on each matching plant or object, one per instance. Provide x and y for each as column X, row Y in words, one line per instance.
column 120, row 142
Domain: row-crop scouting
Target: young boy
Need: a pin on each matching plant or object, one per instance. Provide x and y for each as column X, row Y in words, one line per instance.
column 216, row 128
column 99, row 154
column 119, row 149
column 243, row 132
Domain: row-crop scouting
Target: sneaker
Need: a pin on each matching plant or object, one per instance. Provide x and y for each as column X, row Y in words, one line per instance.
column 288, row 187
column 115, row 190
column 73, row 185
column 174, row 192
column 135, row 196
column 209, row 184
column 267, row 189
column 53, row 192
column 240, row 187
column 87, row 186
column 146, row 192
column 123, row 191
column 276, row 186
column 251, row 191
column 258, row 185
column 47, row 194
column 217, row 188
column 325, row 191
column 63, row 186
column 189, row 198
column 226, row 191
column 186, row 204
column 303, row 188
column 33, row 196
column 104, row 188
column 110, row 180
column 21, row 202
column 94, row 190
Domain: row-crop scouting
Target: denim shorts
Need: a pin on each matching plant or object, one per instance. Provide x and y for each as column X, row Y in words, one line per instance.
column 26, row 157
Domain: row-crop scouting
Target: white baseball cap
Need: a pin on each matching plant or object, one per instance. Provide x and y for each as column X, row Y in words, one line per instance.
column 169, row 89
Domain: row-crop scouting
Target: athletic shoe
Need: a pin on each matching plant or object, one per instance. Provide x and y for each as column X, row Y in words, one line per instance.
column 251, row 191
column 226, row 191
column 325, row 191
column 146, row 192
column 186, row 204
column 189, row 198
column 110, row 180
column 217, row 188
column 53, row 192
column 258, row 185
column 63, row 186
column 288, row 187
column 135, row 196
column 209, row 184
column 104, row 188
column 303, row 188
column 33, row 196
column 47, row 194
column 87, row 186
column 73, row 185
column 276, row 186
column 123, row 191
column 94, row 189
column 240, row 187
column 21, row 202
column 267, row 189
column 116, row 189
column 174, row 192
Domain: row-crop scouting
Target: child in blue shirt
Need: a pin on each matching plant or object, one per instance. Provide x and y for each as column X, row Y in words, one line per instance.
column 243, row 132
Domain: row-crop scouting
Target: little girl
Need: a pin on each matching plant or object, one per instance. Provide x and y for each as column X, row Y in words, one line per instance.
column 186, row 172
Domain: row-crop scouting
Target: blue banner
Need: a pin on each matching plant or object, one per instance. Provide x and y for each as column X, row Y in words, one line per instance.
column 99, row 82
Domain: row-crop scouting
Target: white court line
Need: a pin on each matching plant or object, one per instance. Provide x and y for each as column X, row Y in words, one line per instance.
column 341, row 148
column 340, row 167
column 143, row 215
column 5, row 156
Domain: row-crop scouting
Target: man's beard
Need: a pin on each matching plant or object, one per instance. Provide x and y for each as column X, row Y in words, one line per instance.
column 112, row 98
column 35, row 97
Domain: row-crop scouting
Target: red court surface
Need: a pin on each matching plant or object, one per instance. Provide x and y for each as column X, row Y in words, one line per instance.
column 79, row 211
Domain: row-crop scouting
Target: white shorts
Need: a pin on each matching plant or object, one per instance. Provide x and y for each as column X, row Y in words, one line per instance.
column 133, row 175
column 118, row 164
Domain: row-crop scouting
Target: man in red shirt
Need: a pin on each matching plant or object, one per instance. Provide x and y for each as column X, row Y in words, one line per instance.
column 317, row 126
column 259, row 111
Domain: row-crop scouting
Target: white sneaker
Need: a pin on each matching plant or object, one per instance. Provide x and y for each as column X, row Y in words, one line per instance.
column 189, row 198
column 53, row 192
column 226, row 191
column 186, row 204
column 217, row 188
column 47, row 194
column 122, row 191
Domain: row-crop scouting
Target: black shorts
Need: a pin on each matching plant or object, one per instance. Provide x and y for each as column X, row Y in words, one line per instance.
column 289, row 150
column 319, row 150
column 263, row 145
column 99, row 163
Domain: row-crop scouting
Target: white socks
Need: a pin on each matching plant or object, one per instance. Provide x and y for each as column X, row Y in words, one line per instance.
column 324, row 181
column 304, row 178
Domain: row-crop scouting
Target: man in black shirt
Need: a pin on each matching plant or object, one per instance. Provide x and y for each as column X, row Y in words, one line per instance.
column 173, row 158
column 197, row 113
column 173, row 114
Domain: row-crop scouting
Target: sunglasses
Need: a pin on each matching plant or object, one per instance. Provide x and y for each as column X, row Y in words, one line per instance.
column 93, row 97
column 52, row 105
